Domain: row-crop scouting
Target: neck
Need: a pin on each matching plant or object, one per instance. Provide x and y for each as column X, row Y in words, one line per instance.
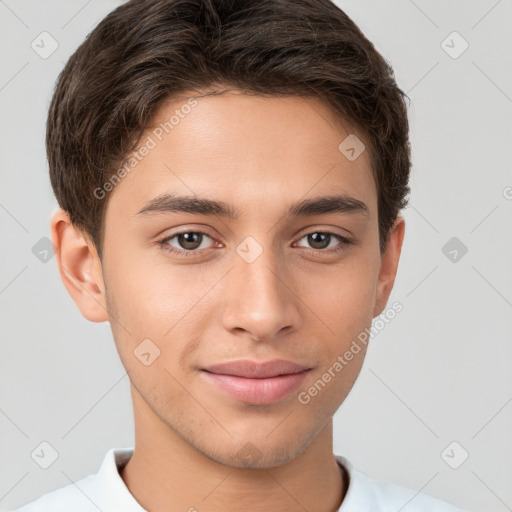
column 167, row 473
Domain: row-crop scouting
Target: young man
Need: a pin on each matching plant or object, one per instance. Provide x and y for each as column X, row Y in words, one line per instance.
column 230, row 176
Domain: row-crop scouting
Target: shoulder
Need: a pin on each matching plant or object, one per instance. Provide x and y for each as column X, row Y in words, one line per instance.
column 366, row 493
column 105, row 490
column 71, row 497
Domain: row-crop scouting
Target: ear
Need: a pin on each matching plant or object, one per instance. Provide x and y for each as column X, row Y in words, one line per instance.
column 389, row 265
column 80, row 267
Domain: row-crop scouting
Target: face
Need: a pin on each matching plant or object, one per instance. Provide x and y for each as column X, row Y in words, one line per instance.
column 258, row 276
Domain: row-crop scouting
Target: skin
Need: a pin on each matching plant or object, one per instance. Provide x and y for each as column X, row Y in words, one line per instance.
column 296, row 301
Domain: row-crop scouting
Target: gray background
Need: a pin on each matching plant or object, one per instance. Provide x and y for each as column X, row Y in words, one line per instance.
column 439, row 372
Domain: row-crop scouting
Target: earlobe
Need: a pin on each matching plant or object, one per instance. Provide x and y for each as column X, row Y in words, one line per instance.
column 389, row 265
column 79, row 267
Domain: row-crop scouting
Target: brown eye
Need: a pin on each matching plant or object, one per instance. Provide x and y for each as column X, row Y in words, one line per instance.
column 320, row 240
column 186, row 243
column 189, row 240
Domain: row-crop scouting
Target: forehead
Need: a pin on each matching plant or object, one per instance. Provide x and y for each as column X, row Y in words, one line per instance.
column 247, row 150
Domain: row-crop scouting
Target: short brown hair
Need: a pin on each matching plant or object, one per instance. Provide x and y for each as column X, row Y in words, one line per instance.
column 147, row 51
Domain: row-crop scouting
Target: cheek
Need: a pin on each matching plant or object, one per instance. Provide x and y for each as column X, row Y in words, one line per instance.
column 343, row 297
column 155, row 295
column 167, row 304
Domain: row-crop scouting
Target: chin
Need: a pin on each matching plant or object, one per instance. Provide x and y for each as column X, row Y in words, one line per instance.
column 261, row 453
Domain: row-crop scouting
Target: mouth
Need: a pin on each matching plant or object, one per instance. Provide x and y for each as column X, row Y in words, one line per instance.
column 256, row 383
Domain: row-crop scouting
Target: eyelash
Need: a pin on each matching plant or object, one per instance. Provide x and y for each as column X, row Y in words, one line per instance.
column 163, row 243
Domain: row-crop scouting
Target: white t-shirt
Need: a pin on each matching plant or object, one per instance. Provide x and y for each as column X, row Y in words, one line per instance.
column 106, row 491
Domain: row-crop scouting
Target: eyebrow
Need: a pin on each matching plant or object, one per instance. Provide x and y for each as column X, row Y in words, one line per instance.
column 169, row 203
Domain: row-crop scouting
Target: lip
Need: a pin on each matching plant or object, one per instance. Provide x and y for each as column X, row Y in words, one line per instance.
column 257, row 383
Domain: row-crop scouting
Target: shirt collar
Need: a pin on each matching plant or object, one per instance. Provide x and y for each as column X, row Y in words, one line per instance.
column 112, row 490
column 114, row 495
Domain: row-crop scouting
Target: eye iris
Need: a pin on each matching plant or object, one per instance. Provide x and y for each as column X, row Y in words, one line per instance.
column 190, row 241
column 319, row 238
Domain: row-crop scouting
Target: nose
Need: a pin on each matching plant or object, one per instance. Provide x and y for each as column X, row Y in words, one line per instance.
column 259, row 299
